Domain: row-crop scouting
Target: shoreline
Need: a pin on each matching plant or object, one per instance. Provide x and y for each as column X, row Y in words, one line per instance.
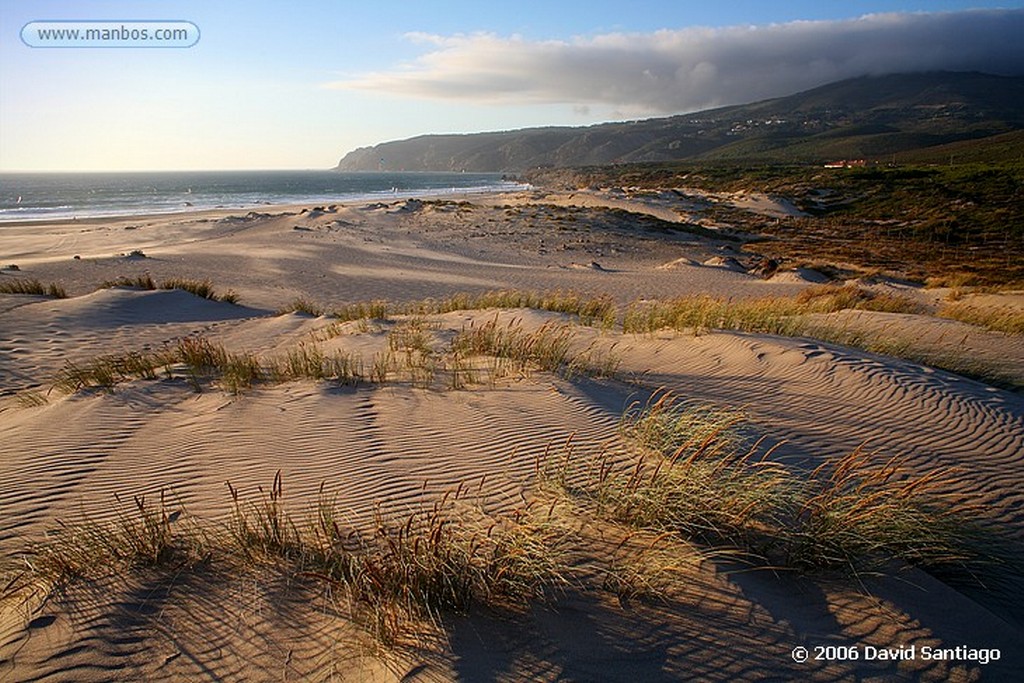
column 423, row 194
column 218, row 212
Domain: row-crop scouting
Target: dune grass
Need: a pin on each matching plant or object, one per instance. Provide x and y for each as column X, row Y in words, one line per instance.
column 395, row 574
column 829, row 298
column 138, row 282
column 690, row 471
column 548, row 348
column 303, row 305
column 436, row 562
column 795, row 317
column 513, row 351
column 996, row 318
column 599, row 311
column 484, row 353
column 859, row 512
column 32, row 286
column 142, row 536
column 681, row 475
column 783, row 316
column 201, row 288
column 767, row 315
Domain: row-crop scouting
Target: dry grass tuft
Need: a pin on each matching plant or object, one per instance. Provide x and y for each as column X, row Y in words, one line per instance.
column 145, row 536
column 857, row 512
column 306, row 306
column 201, row 288
column 519, row 352
column 32, row 287
column 688, row 471
column 829, row 298
column 768, row 315
column 395, row 574
column 138, row 282
column 599, row 311
column 1000, row 319
column 685, row 472
column 703, row 313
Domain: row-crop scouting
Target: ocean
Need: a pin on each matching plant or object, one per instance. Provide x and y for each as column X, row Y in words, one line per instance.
column 36, row 196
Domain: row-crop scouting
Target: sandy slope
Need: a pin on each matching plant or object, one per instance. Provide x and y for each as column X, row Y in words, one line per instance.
column 397, row 446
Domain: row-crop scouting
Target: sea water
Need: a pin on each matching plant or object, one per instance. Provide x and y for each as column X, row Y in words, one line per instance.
column 36, row 196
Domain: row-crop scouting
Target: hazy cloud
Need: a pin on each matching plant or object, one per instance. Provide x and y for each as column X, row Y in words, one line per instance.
column 695, row 68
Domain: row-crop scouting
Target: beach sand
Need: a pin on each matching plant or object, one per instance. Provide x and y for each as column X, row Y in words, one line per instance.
column 388, row 449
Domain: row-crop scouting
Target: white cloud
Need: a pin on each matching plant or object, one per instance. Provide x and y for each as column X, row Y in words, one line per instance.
column 695, row 68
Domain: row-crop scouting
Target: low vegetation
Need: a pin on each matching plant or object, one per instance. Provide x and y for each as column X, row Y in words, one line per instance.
column 600, row 311
column 485, row 353
column 395, row 574
column 142, row 535
column 954, row 220
column 800, row 317
column 200, row 288
column 690, row 471
column 137, row 282
column 769, row 315
column 32, row 287
column 622, row 520
column 999, row 319
column 491, row 351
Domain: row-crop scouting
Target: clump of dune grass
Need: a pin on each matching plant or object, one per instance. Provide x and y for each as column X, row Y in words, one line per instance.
column 685, row 473
column 263, row 529
column 546, row 348
column 105, row 372
column 591, row 310
column 857, row 512
column 667, row 425
column 690, row 471
column 768, row 315
column 30, row 398
column 200, row 354
column 395, row 573
column 200, row 288
column 137, row 282
column 1000, row 319
column 829, row 298
column 202, row 361
column 704, row 313
column 484, row 352
column 145, row 535
column 599, row 310
column 33, row 287
column 302, row 305
column 433, row 563
column 378, row 309
column 410, row 347
column 647, row 564
column 309, row 361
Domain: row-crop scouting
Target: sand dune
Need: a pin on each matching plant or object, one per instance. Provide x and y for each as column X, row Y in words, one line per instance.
column 392, row 448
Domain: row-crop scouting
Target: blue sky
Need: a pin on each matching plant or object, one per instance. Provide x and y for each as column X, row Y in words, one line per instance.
column 298, row 84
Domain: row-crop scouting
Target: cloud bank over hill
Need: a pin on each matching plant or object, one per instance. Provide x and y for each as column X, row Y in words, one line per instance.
column 673, row 71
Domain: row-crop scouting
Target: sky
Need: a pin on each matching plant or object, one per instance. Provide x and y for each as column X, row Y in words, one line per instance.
column 273, row 85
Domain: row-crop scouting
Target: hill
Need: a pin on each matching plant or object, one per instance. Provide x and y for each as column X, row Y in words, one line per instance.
column 867, row 117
